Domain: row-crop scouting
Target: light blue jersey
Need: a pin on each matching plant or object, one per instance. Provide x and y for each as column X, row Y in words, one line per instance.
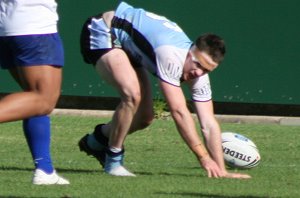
column 157, row 30
column 159, row 44
column 150, row 41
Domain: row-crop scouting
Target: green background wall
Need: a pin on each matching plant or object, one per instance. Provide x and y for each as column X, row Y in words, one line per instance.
column 262, row 36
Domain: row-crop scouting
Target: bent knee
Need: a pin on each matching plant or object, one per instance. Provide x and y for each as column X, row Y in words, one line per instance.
column 132, row 100
column 46, row 108
column 45, row 105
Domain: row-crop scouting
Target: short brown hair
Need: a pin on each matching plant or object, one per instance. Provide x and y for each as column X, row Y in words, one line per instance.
column 213, row 45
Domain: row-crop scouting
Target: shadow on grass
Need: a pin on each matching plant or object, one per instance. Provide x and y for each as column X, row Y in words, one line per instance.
column 32, row 197
column 79, row 171
column 202, row 195
column 13, row 168
column 64, row 170
column 168, row 174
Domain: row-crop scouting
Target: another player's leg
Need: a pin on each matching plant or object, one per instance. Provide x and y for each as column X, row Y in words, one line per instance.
column 28, row 66
column 38, row 134
column 41, row 84
column 41, row 81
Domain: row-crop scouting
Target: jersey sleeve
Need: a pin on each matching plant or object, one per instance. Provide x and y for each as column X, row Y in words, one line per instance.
column 201, row 89
column 169, row 61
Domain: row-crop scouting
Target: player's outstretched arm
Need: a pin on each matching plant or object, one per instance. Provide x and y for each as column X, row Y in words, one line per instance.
column 186, row 127
column 212, row 134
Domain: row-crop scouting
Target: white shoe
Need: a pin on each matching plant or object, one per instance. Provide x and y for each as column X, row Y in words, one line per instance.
column 120, row 171
column 42, row 178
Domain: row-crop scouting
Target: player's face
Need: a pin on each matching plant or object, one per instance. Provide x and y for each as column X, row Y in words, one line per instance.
column 199, row 63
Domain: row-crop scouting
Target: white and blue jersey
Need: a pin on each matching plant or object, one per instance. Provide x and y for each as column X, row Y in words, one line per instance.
column 150, row 41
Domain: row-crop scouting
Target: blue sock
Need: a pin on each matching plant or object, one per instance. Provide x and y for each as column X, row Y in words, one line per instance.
column 37, row 133
column 113, row 160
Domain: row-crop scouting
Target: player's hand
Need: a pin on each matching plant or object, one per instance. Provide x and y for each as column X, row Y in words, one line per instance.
column 211, row 167
column 213, row 170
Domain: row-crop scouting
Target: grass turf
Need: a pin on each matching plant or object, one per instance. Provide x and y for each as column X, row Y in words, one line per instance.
column 164, row 165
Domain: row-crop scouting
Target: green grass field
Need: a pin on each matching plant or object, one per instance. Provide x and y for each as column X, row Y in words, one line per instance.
column 163, row 164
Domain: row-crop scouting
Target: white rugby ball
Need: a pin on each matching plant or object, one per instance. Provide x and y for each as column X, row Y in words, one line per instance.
column 239, row 151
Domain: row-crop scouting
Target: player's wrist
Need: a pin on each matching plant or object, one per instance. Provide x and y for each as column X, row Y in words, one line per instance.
column 201, row 152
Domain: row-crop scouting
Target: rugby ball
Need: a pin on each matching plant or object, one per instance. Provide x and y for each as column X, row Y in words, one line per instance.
column 239, row 151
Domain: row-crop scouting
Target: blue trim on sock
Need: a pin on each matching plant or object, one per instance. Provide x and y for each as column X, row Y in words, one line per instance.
column 113, row 160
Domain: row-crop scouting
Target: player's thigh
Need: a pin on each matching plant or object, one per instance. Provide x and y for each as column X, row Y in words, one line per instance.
column 35, row 61
column 43, row 79
column 38, row 63
column 15, row 74
column 115, row 68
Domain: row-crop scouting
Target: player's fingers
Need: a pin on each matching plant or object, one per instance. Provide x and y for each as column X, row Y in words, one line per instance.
column 209, row 174
column 215, row 174
column 237, row 176
column 242, row 176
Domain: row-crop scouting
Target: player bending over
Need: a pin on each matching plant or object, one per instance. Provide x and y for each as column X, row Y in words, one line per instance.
column 126, row 43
